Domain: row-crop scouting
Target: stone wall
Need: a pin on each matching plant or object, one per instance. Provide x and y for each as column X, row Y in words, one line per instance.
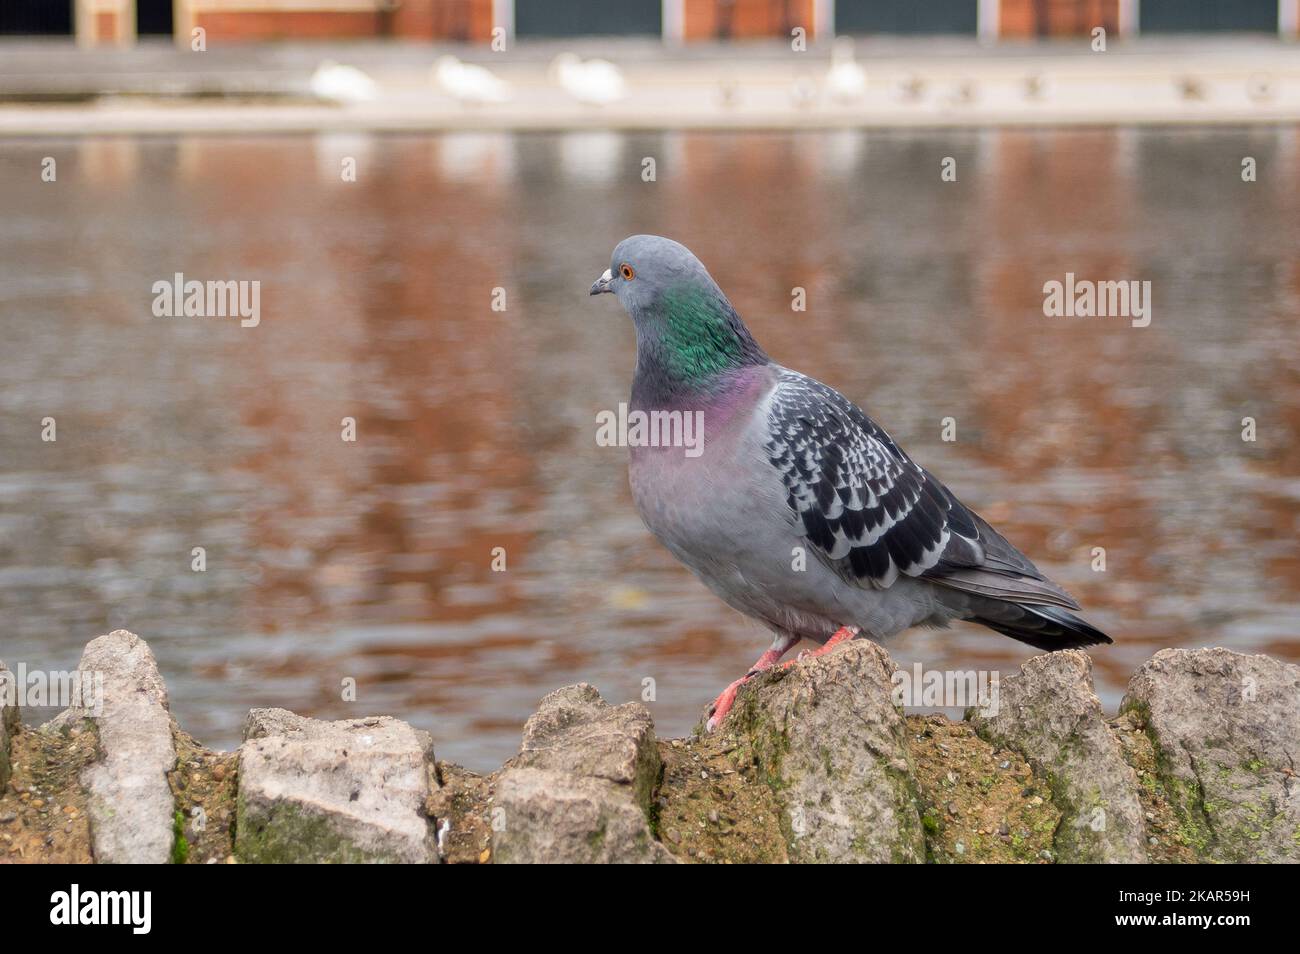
column 814, row 764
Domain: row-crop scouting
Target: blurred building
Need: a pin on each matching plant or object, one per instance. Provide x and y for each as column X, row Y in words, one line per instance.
column 122, row 21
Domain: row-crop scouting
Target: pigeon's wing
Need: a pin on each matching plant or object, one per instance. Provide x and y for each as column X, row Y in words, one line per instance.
column 871, row 513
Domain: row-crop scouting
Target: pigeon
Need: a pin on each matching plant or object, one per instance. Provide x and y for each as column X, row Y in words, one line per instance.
column 793, row 506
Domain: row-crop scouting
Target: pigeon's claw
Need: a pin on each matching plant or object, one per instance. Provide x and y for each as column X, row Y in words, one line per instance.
column 722, row 705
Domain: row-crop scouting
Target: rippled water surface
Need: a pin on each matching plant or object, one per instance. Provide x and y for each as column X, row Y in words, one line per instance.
column 329, row 560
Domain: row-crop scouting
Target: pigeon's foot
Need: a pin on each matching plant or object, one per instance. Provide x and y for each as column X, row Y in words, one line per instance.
column 841, row 635
column 722, row 705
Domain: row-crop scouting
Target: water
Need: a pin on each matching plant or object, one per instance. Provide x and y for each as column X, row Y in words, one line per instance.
column 371, row 561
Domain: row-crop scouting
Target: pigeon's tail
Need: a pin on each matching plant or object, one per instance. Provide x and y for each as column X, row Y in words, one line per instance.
column 1044, row 627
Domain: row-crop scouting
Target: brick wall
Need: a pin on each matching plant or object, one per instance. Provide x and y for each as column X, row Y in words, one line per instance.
column 723, row 19
column 445, row 19
column 467, row 20
column 286, row 24
column 1022, row 19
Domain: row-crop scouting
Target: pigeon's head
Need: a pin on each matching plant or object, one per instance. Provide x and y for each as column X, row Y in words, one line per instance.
column 678, row 309
column 646, row 268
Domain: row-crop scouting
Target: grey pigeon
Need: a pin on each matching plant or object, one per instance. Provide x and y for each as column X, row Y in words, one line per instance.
column 789, row 465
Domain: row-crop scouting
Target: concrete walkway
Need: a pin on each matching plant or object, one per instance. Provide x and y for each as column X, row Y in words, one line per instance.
column 49, row 89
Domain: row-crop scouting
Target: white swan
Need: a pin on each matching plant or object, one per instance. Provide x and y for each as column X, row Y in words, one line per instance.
column 469, row 82
column 598, row 82
column 342, row 84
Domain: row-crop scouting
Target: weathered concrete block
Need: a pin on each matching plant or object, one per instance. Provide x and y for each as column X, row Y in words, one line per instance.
column 349, row 791
column 556, row 817
column 1226, row 730
column 579, row 791
column 829, row 742
column 1050, row 714
column 574, row 730
column 130, row 803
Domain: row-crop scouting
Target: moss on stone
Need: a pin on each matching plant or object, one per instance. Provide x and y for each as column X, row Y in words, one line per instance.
column 713, row 806
column 180, row 847
column 1186, row 798
column 285, row 833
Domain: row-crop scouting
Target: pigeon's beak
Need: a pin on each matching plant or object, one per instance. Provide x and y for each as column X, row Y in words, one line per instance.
column 602, row 284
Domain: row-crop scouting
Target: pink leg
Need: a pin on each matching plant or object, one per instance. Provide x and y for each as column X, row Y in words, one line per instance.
column 841, row 635
column 722, row 705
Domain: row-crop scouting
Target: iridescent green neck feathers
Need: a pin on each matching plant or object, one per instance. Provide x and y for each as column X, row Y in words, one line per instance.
column 688, row 337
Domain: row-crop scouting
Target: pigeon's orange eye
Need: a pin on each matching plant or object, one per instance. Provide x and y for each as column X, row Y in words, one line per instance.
column 626, row 271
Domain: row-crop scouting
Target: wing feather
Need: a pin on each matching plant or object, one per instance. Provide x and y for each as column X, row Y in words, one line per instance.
column 871, row 513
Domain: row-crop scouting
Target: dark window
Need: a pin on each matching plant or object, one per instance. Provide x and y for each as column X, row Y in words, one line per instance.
column 153, row 17
column 36, row 17
column 1189, row 16
column 906, row 16
column 587, row 17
